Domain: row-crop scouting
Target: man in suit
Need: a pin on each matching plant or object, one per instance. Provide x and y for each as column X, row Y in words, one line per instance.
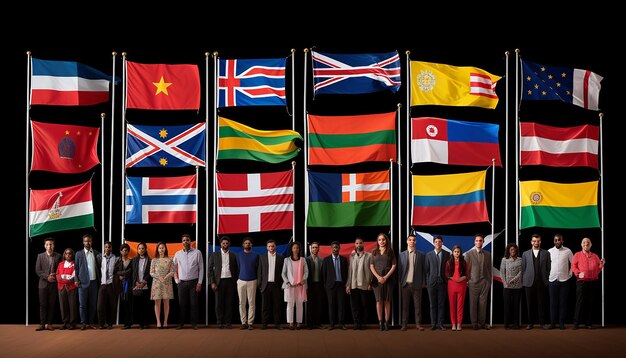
column 223, row 273
column 87, row 275
column 270, row 283
column 46, row 268
column 412, row 281
column 335, row 274
column 479, row 282
column 436, row 283
column 535, row 272
column 315, row 287
column 359, row 283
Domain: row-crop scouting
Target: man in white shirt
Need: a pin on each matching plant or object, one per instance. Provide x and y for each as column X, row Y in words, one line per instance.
column 559, row 281
column 223, row 273
column 188, row 274
column 270, row 284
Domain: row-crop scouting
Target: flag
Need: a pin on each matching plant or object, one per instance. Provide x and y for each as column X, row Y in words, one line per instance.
column 448, row 141
column 238, row 141
column 252, row 82
column 161, row 200
column 165, row 146
column 160, row 86
column 449, row 199
column 64, row 148
column 579, row 87
column 439, row 84
column 151, row 248
column 261, row 249
column 355, row 73
column 340, row 140
column 254, row 202
column 556, row 205
column 346, row 249
column 559, row 147
column 67, row 83
column 349, row 199
column 60, row 209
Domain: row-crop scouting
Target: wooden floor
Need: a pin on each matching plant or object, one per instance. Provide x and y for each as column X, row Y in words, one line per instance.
column 24, row 341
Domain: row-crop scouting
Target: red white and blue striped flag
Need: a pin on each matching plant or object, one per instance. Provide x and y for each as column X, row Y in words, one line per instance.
column 161, row 200
column 355, row 73
column 252, row 82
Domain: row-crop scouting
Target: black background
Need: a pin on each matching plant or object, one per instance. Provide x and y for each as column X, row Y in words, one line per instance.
column 151, row 38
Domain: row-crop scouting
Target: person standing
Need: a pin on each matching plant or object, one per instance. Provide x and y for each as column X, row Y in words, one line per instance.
column 141, row 285
column 511, row 273
column 87, row 275
column 270, row 283
column 107, row 297
column 558, row 282
column 436, row 283
column 315, row 288
column 124, row 276
column 456, row 271
column 162, row 290
column 294, row 274
column 67, row 290
column 412, row 273
column 586, row 267
column 479, row 282
column 45, row 268
column 535, row 273
column 188, row 274
column 248, row 262
column 335, row 274
column 223, row 273
column 383, row 267
column 359, row 283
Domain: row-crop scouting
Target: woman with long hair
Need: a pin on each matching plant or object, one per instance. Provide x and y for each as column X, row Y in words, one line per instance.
column 162, row 271
column 383, row 267
column 456, row 271
column 295, row 274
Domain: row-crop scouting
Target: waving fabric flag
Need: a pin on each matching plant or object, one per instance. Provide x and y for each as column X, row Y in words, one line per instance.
column 63, row 148
column 355, row 73
column 439, row 84
column 448, row 141
column 238, row 141
column 160, row 86
column 559, row 147
column 161, row 200
column 252, row 82
column 449, row 199
column 579, row 87
column 254, row 202
column 352, row 199
column 340, row 140
column 165, row 146
column 60, row 209
column 67, row 83
column 346, row 249
column 556, row 205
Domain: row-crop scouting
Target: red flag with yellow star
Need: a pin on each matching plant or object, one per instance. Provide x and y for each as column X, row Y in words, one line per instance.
column 64, row 148
column 161, row 86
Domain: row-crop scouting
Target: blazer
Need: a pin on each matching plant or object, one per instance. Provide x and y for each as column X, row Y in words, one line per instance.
column 436, row 275
column 42, row 268
column 81, row 270
column 528, row 268
column 368, row 275
column 419, row 268
column 146, row 272
column 473, row 276
column 118, row 271
column 328, row 271
column 263, row 271
column 215, row 267
column 310, row 268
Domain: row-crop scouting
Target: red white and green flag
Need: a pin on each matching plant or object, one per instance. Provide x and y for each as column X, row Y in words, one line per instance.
column 60, row 209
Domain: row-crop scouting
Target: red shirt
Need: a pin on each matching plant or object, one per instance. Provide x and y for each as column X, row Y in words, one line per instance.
column 589, row 263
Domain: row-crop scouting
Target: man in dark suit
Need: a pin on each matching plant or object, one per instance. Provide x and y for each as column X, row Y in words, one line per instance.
column 46, row 268
column 335, row 274
column 87, row 275
column 315, row 287
column 223, row 273
column 412, row 281
column 479, row 282
column 436, row 283
column 536, row 265
column 270, row 283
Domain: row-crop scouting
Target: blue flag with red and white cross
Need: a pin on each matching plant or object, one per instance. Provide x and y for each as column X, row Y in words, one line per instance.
column 251, row 82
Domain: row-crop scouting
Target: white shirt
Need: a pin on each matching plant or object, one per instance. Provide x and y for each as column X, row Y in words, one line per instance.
column 225, row 265
column 271, row 260
column 560, row 266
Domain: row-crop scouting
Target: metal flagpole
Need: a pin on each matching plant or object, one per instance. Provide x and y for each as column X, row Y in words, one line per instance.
column 216, row 139
column 123, row 139
column 306, row 155
column 517, row 100
column 206, row 158
column 391, row 202
column 493, row 223
column 111, row 154
column 293, row 216
column 506, row 147
column 102, row 117
column 408, row 143
column 601, row 115
column 293, row 89
column 27, row 151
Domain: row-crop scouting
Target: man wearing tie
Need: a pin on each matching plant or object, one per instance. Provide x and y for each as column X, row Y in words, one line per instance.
column 479, row 282
column 436, row 283
column 87, row 275
column 270, row 282
column 412, row 281
column 46, row 267
column 335, row 274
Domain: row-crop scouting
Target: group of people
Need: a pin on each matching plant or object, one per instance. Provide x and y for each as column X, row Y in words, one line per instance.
column 90, row 284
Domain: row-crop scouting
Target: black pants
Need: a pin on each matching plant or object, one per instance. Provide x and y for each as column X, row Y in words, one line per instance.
column 336, row 301
column 47, row 302
column 359, row 303
column 536, row 296
column 142, row 307
column 437, row 297
column 411, row 293
column 224, row 296
column 512, row 297
column 314, row 304
column 271, row 300
column 107, row 305
column 583, row 313
column 558, row 301
column 187, row 296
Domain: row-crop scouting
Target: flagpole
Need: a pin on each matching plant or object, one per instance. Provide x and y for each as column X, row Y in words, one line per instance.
column 27, row 151
column 399, row 161
column 111, row 154
column 197, row 189
column 293, row 90
column 506, row 148
column 215, row 148
column 123, row 151
column 293, row 216
column 493, row 223
column 391, row 228
column 206, row 158
column 408, row 144
column 601, row 115
column 102, row 117
column 517, row 100
column 305, row 168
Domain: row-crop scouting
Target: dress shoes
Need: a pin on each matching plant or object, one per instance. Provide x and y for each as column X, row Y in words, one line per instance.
column 475, row 327
column 344, row 327
column 403, row 328
column 331, row 327
column 486, row 327
column 419, row 328
column 279, row 327
column 41, row 327
column 530, row 326
column 243, row 326
column 548, row 327
column 250, row 327
column 442, row 328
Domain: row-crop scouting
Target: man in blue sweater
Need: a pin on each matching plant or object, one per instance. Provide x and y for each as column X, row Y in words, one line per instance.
column 247, row 283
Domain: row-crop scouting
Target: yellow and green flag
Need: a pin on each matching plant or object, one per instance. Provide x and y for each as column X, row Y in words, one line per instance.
column 556, row 205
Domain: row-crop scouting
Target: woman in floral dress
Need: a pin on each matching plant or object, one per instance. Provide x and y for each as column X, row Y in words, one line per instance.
column 162, row 271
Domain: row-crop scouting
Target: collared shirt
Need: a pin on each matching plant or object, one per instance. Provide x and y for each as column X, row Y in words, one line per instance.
column 588, row 263
column 107, row 269
column 225, row 265
column 337, row 264
column 316, row 268
column 142, row 271
column 411, row 264
column 560, row 264
column 271, row 260
column 190, row 265
column 91, row 264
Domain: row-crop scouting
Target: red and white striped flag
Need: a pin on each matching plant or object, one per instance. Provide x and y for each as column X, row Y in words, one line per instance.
column 254, row 202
